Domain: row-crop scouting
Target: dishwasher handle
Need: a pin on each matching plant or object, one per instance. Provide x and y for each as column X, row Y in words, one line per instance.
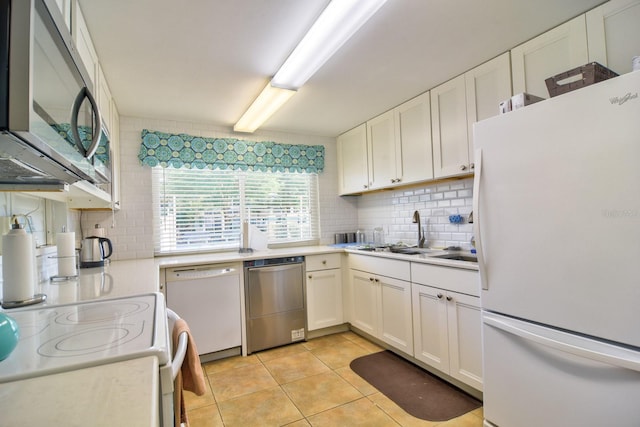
column 181, row 350
column 200, row 272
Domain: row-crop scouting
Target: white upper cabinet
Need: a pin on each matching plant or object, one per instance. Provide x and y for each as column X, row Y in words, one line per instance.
column 486, row 85
column 352, row 161
column 413, row 131
column 399, row 144
column 449, row 124
column 558, row 50
column 103, row 98
column 613, row 32
column 381, row 144
column 84, row 44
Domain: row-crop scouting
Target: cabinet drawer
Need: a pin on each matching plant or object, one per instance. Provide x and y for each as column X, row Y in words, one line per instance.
column 381, row 266
column 452, row 279
column 322, row 262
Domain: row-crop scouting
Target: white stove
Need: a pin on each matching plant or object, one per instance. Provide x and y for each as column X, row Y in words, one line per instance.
column 68, row 337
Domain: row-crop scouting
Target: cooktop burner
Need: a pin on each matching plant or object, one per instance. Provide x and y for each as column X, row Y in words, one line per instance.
column 67, row 337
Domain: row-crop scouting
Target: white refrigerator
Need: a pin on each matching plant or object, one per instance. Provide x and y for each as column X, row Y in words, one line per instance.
column 557, row 209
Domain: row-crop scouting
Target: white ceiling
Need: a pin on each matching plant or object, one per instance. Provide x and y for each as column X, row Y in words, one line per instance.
column 207, row 60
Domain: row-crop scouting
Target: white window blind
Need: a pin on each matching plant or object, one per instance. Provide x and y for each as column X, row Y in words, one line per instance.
column 196, row 210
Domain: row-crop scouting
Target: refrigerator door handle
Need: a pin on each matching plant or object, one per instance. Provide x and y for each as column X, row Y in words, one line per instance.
column 625, row 358
column 477, row 221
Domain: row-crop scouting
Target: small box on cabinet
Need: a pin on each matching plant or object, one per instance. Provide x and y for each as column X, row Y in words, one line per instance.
column 523, row 99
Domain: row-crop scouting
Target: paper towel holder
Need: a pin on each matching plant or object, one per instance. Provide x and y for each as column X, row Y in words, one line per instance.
column 35, row 299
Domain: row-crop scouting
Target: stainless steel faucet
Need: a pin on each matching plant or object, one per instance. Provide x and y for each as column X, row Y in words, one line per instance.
column 416, row 220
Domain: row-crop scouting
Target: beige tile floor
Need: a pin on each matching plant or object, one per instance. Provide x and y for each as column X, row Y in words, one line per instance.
column 304, row 384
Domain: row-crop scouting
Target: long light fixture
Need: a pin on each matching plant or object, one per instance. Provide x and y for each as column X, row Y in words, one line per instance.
column 268, row 102
column 337, row 23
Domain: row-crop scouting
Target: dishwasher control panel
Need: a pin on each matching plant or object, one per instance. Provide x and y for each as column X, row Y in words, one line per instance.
column 273, row 261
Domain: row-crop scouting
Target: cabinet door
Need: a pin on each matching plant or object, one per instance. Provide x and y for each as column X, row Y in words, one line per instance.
column 449, row 124
column 115, row 153
column 324, row 299
column 486, row 85
column 431, row 344
column 465, row 338
column 84, row 44
column 103, row 94
column 381, row 144
column 556, row 51
column 414, row 152
column 613, row 33
column 396, row 323
column 364, row 313
column 352, row 160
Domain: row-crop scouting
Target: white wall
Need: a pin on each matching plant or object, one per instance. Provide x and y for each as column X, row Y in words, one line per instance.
column 131, row 228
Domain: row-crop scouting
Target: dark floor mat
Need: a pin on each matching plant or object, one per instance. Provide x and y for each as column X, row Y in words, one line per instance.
column 415, row 390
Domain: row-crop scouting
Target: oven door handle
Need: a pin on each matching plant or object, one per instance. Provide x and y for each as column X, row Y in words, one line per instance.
column 181, row 350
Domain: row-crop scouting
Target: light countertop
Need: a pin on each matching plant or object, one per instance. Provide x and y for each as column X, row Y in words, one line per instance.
column 118, row 394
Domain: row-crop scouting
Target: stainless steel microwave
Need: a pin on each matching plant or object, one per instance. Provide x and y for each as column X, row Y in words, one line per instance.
column 50, row 125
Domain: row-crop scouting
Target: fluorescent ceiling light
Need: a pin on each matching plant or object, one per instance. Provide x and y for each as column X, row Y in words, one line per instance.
column 337, row 23
column 268, row 102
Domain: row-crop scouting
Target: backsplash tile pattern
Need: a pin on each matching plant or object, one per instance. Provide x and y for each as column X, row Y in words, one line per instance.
column 393, row 211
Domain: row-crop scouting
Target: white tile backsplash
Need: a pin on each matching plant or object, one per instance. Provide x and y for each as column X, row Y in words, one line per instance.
column 393, row 211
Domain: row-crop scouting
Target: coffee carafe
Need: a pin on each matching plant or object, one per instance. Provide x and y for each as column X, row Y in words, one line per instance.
column 93, row 251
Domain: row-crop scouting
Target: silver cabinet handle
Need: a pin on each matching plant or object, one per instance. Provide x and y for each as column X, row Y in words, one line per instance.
column 324, row 262
column 463, row 167
column 310, row 277
column 449, row 298
column 439, row 295
column 371, row 279
column 472, row 166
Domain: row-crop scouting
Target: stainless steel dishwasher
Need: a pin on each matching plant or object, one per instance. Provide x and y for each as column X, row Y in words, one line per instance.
column 275, row 302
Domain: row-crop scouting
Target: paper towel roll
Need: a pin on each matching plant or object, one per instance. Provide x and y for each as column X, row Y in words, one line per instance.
column 245, row 234
column 66, row 243
column 18, row 266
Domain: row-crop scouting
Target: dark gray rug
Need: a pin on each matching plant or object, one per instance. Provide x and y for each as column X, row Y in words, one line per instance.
column 415, row 390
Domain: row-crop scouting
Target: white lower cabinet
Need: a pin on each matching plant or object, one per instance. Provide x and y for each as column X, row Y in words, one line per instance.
column 447, row 323
column 324, row 291
column 381, row 305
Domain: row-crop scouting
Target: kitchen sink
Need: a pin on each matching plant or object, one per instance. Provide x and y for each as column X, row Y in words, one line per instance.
column 457, row 257
column 409, row 251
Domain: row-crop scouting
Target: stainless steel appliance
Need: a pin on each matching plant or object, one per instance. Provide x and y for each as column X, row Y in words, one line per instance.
column 275, row 302
column 208, row 296
column 93, row 251
column 557, row 227
column 50, row 128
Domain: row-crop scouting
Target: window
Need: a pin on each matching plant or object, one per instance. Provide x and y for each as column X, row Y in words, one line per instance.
column 196, row 210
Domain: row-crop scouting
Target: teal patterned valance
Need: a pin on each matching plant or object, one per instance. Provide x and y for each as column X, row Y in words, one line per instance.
column 195, row 152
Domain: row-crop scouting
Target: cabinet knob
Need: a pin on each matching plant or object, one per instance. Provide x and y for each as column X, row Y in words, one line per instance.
column 377, row 280
column 463, row 167
column 324, row 262
column 439, row 295
column 449, row 298
column 472, row 166
column 371, row 279
column 310, row 277
column 365, row 186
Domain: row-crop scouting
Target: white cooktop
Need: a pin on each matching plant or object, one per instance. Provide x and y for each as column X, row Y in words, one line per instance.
column 68, row 337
